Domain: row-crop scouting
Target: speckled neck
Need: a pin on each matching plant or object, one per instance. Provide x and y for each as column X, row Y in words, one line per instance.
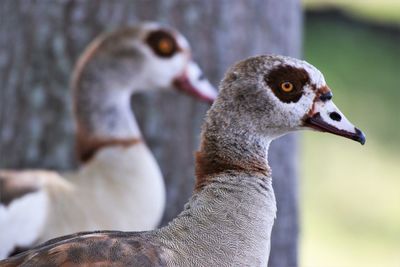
column 229, row 145
column 229, row 222
column 231, row 213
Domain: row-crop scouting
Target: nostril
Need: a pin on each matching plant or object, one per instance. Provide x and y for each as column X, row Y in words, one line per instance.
column 202, row 77
column 327, row 96
column 335, row 116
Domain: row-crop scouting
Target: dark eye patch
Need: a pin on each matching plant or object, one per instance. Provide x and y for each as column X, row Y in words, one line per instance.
column 162, row 43
column 284, row 73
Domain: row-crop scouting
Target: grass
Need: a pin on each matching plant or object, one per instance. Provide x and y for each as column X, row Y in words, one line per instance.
column 350, row 195
column 350, row 204
column 384, row 11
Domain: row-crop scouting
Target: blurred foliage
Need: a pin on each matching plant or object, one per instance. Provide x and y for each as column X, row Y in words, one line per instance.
column 377, row 10
column 350, row 194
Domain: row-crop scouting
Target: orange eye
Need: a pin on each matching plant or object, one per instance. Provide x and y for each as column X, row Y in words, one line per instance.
column 162, row 43
column 165, row 46
column 287, row 87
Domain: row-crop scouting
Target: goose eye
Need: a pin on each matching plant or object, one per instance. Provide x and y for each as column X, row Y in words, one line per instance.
column 162, row 43
column 287, row 87
column 165, row 46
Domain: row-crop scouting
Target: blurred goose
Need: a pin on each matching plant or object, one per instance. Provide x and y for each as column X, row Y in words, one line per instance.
column 119, row 186
column 228, row 220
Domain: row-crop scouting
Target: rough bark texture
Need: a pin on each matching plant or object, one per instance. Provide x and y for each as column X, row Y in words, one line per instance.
column 41, row 40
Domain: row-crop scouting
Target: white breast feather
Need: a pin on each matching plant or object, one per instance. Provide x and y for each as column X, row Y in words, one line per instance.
column 22, row 221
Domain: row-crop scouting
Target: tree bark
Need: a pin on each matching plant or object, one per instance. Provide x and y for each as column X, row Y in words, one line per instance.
column 41, row 40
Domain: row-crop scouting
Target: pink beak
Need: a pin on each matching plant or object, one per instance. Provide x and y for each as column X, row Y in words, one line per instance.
column 193, row 83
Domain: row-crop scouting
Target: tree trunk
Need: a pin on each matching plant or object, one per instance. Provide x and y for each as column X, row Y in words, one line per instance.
column 41, row 40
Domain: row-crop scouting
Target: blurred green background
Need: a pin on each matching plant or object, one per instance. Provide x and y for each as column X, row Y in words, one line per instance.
column 350, row 194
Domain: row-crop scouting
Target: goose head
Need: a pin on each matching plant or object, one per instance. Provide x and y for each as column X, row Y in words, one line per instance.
column 145, row 57
column 123, row 62
column 278, row 94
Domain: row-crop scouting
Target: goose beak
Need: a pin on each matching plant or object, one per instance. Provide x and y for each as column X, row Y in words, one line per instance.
column 326, row 117
column 194, row 83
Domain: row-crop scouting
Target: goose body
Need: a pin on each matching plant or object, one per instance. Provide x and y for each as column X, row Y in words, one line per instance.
column 119, row 184
column 229, row 218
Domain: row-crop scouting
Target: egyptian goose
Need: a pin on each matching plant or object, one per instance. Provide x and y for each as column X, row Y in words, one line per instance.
column 119, row 186
column 228, row 220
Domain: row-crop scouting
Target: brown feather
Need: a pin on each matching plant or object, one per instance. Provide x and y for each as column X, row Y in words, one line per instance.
column 208, row 166
column 15, row 184
column 88, row 146
column 108, row 248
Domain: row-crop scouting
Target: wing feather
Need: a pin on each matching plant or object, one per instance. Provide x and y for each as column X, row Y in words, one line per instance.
column 23, row 207
column 106, row 248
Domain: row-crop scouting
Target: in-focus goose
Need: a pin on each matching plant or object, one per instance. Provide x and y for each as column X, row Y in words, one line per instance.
column 228, row 220
column 119, row 185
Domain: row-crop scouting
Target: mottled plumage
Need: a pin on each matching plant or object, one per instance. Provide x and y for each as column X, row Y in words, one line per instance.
column 229, row 218
column 102, row 247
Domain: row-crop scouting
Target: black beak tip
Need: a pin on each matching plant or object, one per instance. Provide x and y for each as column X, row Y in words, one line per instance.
column 360, row 137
